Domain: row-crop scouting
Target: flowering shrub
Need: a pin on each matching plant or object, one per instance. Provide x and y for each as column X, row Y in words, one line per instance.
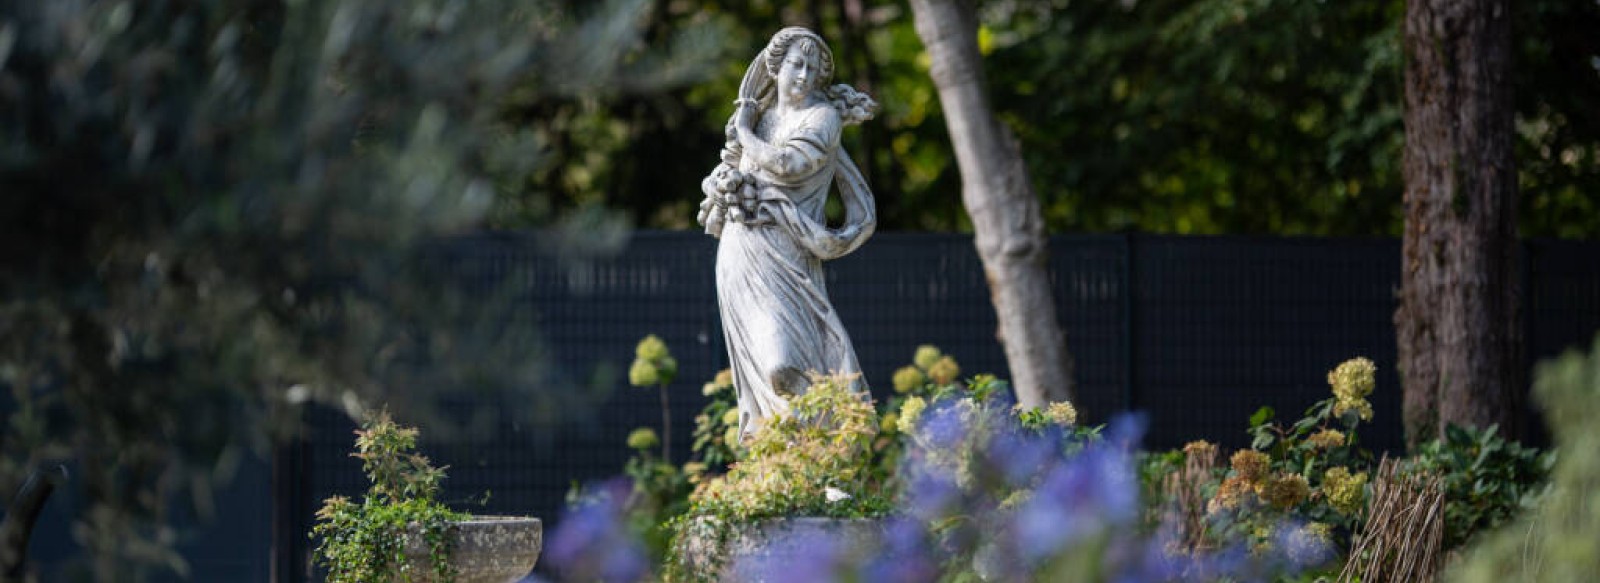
column 987, row 497
column 1313, row 470
column 969, row 486
column 660, row 490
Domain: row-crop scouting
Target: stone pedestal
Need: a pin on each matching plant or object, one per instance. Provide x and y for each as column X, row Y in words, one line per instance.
column 488, row 549
column 755, row 552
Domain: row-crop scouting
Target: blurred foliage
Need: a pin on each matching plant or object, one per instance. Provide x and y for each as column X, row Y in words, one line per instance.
column 647, row 153
column 1210, row 116
column 1554, row 540
column 213, row 213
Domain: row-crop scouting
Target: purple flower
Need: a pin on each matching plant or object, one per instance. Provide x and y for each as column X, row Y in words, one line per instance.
column 593, row 540
column 805, row 553
column 1020, row 455
column 930, row 493
column 945, row 426
column 1301, row 547
column 1089, row 495
column 905, row 556
column 1126, row 430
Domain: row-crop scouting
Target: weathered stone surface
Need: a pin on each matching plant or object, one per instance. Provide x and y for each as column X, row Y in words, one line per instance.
column 488, row 549
column 761, row 551
column 765, row 202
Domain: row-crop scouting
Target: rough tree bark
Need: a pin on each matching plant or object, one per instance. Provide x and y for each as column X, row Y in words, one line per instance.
column 1008, row 225
column 1458, row 324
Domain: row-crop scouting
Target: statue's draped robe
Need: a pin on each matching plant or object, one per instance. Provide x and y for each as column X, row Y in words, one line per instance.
column 776, row 317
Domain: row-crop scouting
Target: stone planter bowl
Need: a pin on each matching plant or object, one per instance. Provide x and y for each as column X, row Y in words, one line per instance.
column 488, row 549
column 754, row 551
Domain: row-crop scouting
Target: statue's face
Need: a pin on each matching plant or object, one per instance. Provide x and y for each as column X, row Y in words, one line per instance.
column 798, row 73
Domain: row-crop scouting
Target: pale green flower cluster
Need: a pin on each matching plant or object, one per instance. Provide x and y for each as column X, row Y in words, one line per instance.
column 1352, row 381
column 908, row 378
column 722, row 382
column 928, row 365
column 1062, row 413
column 652, row 363
column 944, row 371
column 1346, row 493
column 910, row 412
column 643, row 439
column 1326, row 439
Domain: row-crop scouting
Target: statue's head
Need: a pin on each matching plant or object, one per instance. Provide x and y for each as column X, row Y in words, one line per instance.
column 798, row 60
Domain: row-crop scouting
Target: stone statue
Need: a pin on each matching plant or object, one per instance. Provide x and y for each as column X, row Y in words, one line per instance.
column 765, row 204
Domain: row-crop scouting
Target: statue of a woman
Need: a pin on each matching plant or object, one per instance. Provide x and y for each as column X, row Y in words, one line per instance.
column 765, row 202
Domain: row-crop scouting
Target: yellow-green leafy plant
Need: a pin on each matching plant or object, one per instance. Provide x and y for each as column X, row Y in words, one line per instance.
column 813, row 461
column 715, row 424
column 362, row 542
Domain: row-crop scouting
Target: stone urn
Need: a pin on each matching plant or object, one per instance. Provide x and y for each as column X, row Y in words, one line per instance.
column 488, row 549
column 755, row 552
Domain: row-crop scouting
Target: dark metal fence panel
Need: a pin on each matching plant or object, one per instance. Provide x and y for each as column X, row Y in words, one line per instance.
column 1562, row 297
column 1224, row 325
column 1195, row 331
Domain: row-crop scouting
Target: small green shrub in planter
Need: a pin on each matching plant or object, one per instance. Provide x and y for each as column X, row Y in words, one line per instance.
column 378, row 538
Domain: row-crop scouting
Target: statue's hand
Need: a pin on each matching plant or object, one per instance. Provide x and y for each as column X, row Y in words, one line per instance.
column 745, row 117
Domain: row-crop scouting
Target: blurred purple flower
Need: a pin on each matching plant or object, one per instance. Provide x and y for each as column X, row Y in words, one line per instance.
column 945, row 424
column 593, row 541
column 930, row 493
column 808, row 553
column 1088, row 495
column 1126, row 431
column 1299, row 547
column 1149, row 561
column 905, row 556
column 1021, row 455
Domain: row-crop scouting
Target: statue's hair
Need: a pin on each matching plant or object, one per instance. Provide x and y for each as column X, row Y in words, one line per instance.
column 786, row 39
column 854, row 106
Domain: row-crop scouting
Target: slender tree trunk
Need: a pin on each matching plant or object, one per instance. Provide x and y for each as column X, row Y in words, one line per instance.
column 1458, row 326
column 1008, row 225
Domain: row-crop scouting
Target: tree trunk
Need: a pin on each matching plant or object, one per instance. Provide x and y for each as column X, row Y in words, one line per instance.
column 1458, row 326
column 1005, row 213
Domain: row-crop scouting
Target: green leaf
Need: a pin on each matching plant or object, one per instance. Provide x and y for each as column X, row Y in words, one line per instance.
column 1262, row 441
column 1262, row 416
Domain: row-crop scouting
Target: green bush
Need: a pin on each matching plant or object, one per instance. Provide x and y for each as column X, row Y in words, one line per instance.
column 1487, row 479
column 366, row 542
column 1313, row 471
